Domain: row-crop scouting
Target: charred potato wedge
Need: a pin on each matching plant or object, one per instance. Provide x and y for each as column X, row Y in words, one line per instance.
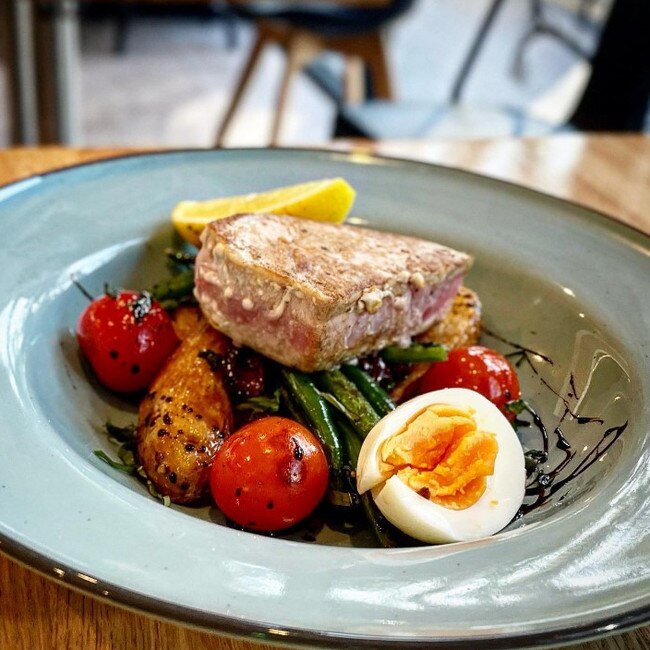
column 184, row 418
column 186, row 320
column 460, row 328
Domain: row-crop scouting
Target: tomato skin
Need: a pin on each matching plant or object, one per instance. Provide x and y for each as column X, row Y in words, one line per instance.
column 127, row 338
column 269, row 475
column 477, row 368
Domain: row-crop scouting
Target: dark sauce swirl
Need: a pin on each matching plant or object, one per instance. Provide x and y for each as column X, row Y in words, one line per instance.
column 544, row 482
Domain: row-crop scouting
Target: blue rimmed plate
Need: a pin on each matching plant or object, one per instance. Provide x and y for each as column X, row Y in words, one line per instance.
column 565, row 288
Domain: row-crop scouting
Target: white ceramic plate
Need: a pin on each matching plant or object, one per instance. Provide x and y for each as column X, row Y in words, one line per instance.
column 568, row 283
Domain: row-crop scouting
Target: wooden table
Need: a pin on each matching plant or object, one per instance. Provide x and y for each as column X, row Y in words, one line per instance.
column 609, row 173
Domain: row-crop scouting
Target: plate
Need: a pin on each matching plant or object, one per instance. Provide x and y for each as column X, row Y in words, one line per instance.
column 564, row 288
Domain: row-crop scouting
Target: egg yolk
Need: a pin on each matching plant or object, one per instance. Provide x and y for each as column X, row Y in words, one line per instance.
column 442, row 455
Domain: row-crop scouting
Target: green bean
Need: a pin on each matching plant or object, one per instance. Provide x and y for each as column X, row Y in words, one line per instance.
column 292, row 407
column 357, row 408
column 380, row 527
column 377, row 397
column 178, row 286
column 317, row 412
column 351, row 440
column 416, row 353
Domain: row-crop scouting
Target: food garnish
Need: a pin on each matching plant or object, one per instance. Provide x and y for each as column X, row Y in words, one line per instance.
column 322, row 200
column 478, row 368
column 126, row 337
column 184, row 418
column 301, row 329
column 416, row 353
column 310, row 295
column 446, row 466
column 370, row 389
column 269, row 475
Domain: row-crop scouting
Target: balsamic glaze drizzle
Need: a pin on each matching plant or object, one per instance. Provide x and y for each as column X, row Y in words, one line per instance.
column 522, row 354
column 543, row 483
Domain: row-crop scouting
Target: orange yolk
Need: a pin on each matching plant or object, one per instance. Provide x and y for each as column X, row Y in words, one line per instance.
column 443, row 456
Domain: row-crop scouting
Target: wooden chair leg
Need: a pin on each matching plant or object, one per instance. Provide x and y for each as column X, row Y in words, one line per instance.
column 374, row 54
column 354, row 91
column 253, row 58
column 301, row 48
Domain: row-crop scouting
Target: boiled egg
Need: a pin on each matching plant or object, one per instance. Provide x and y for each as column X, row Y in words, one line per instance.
column 446, row 466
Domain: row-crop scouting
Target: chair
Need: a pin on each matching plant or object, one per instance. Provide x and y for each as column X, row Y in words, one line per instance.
column 616, row 97
column 306, row 29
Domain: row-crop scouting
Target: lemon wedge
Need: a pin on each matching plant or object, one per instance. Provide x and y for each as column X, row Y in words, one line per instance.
column 329, row 199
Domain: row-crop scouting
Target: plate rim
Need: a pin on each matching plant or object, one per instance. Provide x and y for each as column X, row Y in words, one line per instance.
column 130, row 600
column 223, row 624
column 324, row 151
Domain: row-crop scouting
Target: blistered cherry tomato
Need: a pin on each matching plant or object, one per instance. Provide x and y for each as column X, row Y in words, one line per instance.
column 127, row 338
column 478, row 368
column 269, row 475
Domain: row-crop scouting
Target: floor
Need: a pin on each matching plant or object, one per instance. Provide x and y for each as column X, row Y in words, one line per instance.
column 171, row 85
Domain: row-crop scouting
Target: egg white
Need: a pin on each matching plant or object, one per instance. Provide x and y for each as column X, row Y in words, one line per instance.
column 428, row 521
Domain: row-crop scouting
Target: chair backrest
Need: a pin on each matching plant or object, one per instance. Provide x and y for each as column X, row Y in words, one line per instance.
column 331, row 18
column 617, row 95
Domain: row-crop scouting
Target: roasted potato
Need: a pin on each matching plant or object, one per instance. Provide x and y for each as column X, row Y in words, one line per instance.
column 184, row 418
column 460, row 328
column 187, row 320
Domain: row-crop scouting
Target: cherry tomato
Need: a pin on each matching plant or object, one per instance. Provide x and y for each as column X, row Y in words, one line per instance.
column 478, row 368
column 127, row 338
column 269, row 475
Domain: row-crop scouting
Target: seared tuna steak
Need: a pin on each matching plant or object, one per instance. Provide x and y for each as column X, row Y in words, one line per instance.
column 311, row 294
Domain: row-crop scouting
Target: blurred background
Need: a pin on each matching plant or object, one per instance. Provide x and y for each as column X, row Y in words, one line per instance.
column 169, row 72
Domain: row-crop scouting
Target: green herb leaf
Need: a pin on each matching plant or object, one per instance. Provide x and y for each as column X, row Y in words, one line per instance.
column 121, row 434
column 126, row 455
column 121, row 466
column 261, row 404
column 517, row 406
column 177, row 287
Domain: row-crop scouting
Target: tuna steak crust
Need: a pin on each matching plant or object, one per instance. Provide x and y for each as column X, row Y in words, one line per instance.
column 311, row 295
